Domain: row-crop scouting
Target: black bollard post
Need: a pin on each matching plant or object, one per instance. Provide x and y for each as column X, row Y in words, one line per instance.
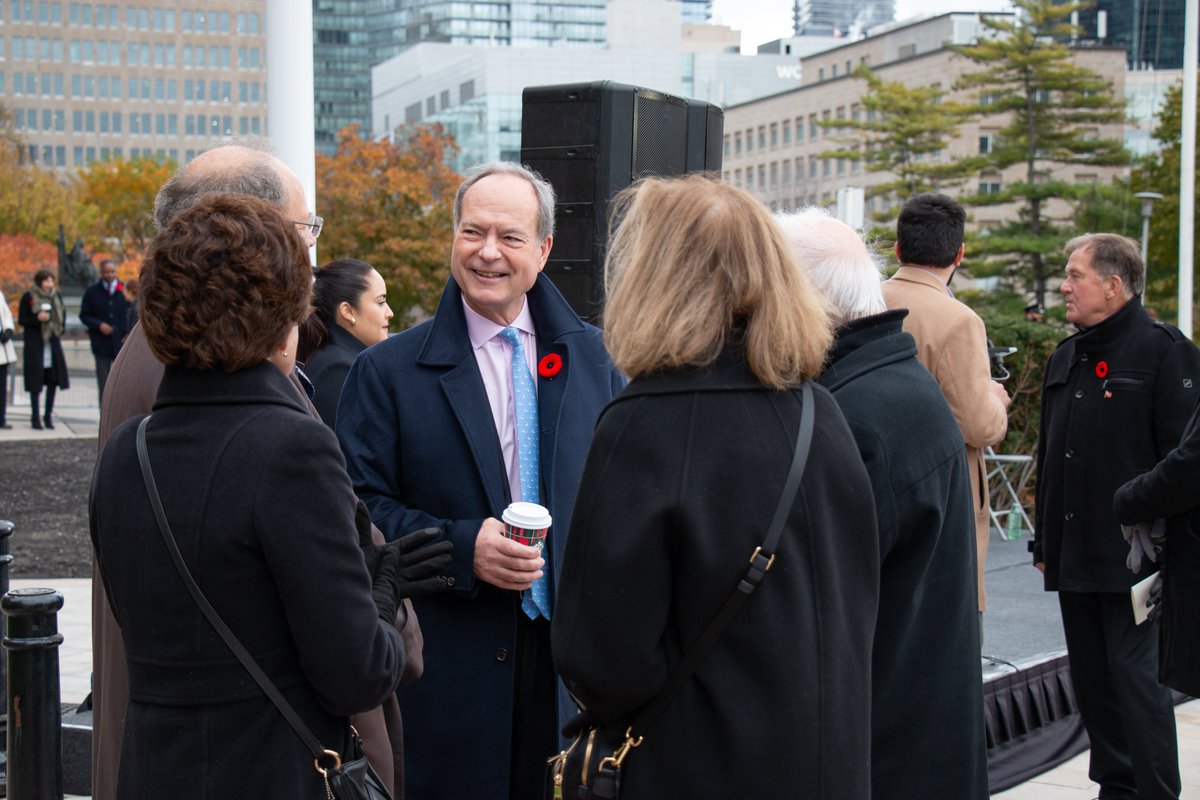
column 35, row 715
column 6, row 532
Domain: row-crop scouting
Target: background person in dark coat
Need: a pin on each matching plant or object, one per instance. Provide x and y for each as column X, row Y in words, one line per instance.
column 105, row 311
column 925, row 677
column 1169, row 491
column 428, row 441
column 43, row 316
column 714, row 323
column 350, row 313
column 275, row 550
column 1115, row 399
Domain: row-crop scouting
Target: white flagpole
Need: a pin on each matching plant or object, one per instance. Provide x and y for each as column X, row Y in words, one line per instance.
column 1187, row 169
column 290, row 123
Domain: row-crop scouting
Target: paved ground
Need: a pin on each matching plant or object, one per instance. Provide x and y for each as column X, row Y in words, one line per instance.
column 1022, row 623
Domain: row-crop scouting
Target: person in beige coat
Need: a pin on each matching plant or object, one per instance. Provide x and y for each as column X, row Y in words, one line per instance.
column 951, row 340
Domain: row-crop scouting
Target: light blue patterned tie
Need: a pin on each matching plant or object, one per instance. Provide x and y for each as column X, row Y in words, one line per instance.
column 537, row 600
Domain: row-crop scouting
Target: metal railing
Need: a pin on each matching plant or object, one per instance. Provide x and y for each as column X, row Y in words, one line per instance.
column 1008, row 478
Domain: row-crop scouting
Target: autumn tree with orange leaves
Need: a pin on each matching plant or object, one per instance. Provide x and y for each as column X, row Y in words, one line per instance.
column 122, row 192
column 21, row 255
column 32, row 199
column 390, row 204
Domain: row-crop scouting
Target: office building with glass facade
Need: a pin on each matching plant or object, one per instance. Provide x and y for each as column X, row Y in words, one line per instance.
column 88, row 81
column 475, row 92
column 849, row 18
column 1151, row 31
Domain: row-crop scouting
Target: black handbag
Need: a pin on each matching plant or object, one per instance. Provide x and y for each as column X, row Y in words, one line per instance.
column 354, row 779
column 590, row 768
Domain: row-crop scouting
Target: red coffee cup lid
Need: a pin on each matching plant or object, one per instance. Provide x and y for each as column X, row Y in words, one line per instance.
column 530, row 516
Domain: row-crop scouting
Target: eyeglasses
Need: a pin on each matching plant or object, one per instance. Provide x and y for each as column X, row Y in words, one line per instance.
column 314, row 222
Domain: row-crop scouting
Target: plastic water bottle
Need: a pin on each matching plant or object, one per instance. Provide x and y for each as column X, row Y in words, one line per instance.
column 1014, row 523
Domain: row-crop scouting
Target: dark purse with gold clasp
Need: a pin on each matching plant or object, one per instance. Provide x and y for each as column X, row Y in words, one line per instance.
column 354, row 779
column 590, row 768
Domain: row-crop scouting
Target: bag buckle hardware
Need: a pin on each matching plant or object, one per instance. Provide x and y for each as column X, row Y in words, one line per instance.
column 617, row 758
column 755, row 559
column 323, row 771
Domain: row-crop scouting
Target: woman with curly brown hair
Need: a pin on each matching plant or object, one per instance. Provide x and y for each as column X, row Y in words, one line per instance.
column 257, row 497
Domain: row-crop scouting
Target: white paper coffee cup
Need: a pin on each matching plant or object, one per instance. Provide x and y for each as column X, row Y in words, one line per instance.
column 526, row 523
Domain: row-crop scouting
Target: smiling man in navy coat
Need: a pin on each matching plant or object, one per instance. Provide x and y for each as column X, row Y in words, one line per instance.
column 428, row 426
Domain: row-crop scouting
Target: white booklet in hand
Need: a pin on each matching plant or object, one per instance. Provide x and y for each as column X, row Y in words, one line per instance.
column 1139, row 593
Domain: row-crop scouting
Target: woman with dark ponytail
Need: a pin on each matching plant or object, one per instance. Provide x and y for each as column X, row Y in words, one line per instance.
column 350, row 313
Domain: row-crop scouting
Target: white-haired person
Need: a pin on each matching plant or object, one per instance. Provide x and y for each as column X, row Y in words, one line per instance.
column 925, row 678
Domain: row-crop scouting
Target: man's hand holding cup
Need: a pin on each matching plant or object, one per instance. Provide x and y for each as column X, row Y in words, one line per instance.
column 509, row 554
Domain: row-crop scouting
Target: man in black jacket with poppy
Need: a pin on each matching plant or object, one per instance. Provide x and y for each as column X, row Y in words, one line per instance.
column 1116, row 397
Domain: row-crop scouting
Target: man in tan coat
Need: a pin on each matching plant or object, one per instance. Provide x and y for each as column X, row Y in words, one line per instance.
column 951, row 340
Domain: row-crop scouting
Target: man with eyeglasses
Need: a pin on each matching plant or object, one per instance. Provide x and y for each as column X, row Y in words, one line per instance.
column 311, row 226
column 131, row 389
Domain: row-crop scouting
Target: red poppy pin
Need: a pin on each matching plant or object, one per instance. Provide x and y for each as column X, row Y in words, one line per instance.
column 1101, row 369
column 550, row 366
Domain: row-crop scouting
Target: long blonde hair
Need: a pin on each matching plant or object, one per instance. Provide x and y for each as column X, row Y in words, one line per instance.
column 689, row 255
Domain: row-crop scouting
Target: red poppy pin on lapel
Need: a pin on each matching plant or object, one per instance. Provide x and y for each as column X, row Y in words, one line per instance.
column 550, row 366
column 1101, row 369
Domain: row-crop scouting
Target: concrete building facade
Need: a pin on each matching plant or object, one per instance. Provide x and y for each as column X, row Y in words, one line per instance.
column 774, row 146
column 91, row 81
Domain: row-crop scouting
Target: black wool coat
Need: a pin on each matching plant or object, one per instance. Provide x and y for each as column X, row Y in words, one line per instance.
column 1115, row 400
column 327, row 370
column 1170, row 491
column 99, row 306
column 257, row 496
column 35, row 373
column 925, row 665
column 681, row 480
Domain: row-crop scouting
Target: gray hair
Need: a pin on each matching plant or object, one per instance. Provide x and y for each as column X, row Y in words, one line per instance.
column 1113, row 254
column 541, row 187
column 845, row 271
column 251, row 173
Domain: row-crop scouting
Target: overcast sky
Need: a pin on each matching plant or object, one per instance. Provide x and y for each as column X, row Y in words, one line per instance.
column 766, row 20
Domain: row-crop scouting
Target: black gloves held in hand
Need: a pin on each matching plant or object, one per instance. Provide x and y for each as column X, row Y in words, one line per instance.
column 408, row 567
column 421, row 560
column 384, row 590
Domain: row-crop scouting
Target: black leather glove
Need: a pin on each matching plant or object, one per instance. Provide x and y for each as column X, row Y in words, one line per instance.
column 6, row 335
column 421, row 560
column 385, row 586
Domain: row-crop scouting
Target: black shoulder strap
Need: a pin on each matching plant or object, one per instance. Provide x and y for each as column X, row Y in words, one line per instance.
column 285, row 708
column 760, row 561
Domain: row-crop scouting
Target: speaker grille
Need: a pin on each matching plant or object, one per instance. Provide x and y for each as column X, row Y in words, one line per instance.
column 659, row 126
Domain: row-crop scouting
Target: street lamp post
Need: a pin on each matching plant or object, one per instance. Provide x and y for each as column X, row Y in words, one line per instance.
column 1147, row 199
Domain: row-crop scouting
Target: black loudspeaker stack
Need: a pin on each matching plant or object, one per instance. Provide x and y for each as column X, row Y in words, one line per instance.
column 591, row 140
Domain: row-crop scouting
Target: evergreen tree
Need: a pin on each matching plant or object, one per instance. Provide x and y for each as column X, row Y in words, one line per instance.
column 1053, row 108
column 904, row 132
